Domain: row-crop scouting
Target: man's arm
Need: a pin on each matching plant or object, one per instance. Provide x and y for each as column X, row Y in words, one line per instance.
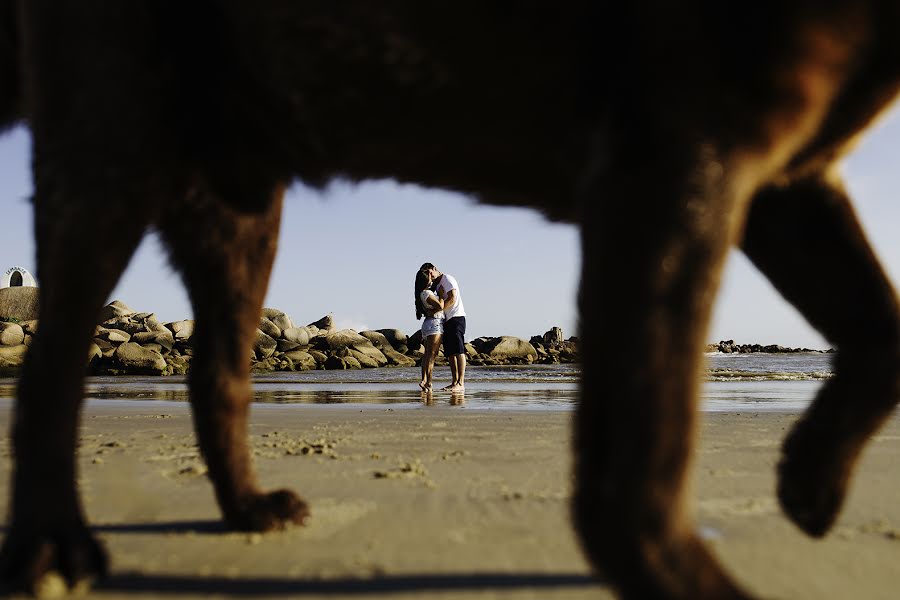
column 450, row 299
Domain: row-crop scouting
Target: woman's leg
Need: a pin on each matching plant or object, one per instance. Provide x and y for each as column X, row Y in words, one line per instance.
column 424, row 379
column 432, row 343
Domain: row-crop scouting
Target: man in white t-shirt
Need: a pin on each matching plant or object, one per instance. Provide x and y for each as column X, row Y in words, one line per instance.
column 454, row 325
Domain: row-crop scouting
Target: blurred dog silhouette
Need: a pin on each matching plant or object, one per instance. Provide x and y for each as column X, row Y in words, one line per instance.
column 668, row 132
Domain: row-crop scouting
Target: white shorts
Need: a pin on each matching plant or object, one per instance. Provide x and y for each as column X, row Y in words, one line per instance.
column 432, row 326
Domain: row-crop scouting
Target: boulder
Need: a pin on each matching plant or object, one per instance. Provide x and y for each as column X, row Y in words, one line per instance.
column 30, row 327
column 334, row 363
column 303, row 361
column 94, row 353
column 506, row 347
column 12, row 358
column 264, row 345
column 554, row 336
column 162, row 338
column 366, row 361
column 114, row 310
column 129, row 325
column 326, row 323
column 378, row 339
column 181, row 330
column 414, row 342
column 19, row 302
column 278, row 318
column 11, row 334
column 396, row 338
column 397, row 359
column 134, row 358
column 320, row 357
column 269, row 328
column 286, row 346
column 298, row 335
column 345, row 338
column 113, row 336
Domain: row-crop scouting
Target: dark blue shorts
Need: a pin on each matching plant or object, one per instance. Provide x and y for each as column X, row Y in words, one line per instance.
column 454, row 336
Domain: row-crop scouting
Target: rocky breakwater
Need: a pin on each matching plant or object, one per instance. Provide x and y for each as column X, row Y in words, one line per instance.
column 127, row 342
column 729, row 347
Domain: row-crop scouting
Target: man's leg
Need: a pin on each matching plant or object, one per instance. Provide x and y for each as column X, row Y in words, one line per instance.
column 460, row 360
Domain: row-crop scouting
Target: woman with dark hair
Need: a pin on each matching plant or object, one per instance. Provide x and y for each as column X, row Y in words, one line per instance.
column 431, row 307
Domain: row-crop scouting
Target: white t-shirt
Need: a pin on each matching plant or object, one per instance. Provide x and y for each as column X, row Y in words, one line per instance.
column 447, row 283
column 424, row 295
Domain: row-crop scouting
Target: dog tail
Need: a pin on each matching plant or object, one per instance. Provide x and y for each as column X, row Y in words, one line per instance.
column 10, row 66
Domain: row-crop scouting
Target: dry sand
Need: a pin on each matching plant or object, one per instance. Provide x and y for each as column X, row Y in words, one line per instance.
column 442, row 502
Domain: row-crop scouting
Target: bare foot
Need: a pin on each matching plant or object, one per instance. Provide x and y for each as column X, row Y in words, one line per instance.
column 457, row 388
column 447, row 388
column 423, row 386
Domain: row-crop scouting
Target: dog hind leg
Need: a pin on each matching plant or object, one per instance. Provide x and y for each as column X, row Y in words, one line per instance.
column 652, row 255
column 805, row 238
column 225, row 258
column 77, row 270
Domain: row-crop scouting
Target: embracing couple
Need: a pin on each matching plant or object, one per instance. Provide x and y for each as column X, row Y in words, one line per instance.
column 439, row 301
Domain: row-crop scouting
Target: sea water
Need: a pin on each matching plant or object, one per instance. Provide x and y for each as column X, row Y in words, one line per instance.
column 733, row 383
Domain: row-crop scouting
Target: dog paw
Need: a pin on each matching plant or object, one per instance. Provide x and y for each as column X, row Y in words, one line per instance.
column 50, row 564
column 271, row 510
column 811, row 492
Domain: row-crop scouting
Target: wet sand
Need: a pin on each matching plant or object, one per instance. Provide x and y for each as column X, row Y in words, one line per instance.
column 441, row 502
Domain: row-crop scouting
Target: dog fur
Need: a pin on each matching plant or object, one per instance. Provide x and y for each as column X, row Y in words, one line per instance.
column 668, row 132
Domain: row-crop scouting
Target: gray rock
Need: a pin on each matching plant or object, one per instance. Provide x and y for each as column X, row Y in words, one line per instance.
column 370, row 352
column 269, row 328
column 378, row 339
column 395, row 338
column 278, row 318
column 286, row 346
column 303, row 361
column 320, row 357
column 365, row 361
column 415, row 340
column 264, row 345
column 127, row 324
column 507, row 347
column 114, row 336
column 345, row 338
column 335, row 363
column 19, row 302
column 163, row 338
column 326, row 323
column 12, row 357
column 137, row 359
column 298, row 335
column 397, row 359
column 94, row 353
column 113, row 310
column 11, row 334
column 554, row 336
column 181, row 330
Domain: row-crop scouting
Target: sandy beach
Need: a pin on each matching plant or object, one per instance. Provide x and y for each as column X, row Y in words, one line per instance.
column 443, row 502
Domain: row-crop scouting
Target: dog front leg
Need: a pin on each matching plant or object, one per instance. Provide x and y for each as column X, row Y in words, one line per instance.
column 653, row 247
column 225, row 258
column 77, row 270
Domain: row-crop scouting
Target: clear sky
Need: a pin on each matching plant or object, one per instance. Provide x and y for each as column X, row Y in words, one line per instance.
column 354, row 250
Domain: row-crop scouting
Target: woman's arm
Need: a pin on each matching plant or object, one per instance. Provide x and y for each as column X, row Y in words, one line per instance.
column 433, row 304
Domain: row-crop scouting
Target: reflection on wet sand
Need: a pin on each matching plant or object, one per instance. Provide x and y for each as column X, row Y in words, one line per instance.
column 454, row 399
column 525, row 388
